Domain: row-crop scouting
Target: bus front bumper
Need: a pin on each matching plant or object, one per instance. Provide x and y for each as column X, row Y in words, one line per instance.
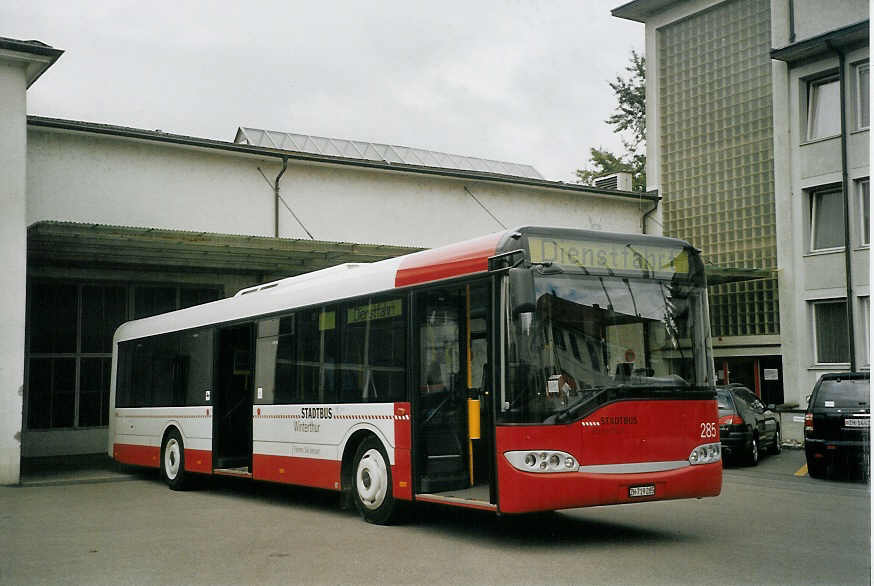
column 527, row 492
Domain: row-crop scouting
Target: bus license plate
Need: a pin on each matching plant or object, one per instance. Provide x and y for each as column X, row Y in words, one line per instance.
column 648, row 490
column 857, row 422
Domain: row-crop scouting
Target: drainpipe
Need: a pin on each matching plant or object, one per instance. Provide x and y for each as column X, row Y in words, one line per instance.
column 655, row 206
column 842, row 62
column 276, row 198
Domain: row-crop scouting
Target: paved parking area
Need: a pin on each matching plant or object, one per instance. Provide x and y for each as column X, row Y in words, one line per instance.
column 768, row 526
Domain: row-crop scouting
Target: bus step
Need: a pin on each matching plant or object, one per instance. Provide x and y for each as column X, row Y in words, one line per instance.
column 442, row 482
column 242, row 472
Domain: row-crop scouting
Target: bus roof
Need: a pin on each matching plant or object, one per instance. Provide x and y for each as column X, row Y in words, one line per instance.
column 357, row 279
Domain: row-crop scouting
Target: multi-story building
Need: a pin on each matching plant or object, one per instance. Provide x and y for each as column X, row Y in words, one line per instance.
column 757, row 122
column 821, row 160
column 710, row 156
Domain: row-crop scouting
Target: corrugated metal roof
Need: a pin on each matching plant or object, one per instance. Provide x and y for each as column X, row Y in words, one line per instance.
column 73, row 243
column 374, row 151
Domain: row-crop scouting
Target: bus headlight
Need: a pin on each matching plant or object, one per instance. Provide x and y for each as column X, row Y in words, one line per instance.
column 542, row 461
column 706, row 454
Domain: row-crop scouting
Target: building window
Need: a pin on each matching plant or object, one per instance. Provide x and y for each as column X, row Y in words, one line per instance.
column 823, row 109
column 826, row 219
column 69, row 354
column 863, row 114
column 830, row 332
column 864, row 189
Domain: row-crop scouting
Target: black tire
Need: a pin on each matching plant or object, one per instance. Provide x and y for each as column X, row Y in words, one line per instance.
column 817, row 469
column 173, row 460
column 753, row 454
column 778, row 443
column 371, row 483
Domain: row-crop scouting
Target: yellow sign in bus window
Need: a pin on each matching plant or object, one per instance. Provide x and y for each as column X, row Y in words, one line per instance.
column 327, row 320
column 374, row 311
column 617, row 256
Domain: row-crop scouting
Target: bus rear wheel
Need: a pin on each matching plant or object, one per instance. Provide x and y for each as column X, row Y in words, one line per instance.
column 173, row 460
column 371, row 484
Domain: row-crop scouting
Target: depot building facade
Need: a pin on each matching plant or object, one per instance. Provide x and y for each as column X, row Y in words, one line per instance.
column 103, row 224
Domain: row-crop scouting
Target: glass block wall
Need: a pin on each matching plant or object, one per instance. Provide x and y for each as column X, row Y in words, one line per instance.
column 717, row 175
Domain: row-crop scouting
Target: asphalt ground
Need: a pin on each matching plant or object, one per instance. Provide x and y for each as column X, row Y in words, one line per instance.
column 769, row 526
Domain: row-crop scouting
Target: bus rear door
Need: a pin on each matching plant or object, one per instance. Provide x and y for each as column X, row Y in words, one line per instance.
column 232, row 406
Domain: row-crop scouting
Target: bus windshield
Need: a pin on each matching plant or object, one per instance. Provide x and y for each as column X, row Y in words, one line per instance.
column 595, row 339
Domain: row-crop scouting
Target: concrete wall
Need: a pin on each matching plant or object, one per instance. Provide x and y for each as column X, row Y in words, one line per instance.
column 88, row 178
column 814, row 17
column 801, row 166
column 13, row 259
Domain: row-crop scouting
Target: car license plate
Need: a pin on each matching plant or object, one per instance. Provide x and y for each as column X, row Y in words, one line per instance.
column 857, row 422
column 648, row 490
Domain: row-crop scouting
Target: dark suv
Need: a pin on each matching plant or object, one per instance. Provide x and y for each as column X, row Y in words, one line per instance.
column 837, row 424
column 745, row 424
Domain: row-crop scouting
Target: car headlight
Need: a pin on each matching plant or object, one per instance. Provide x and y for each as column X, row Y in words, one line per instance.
column 706, row 454
column 542, row 461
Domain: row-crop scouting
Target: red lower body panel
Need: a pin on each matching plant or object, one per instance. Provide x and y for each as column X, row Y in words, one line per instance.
column 401, row 476
column 199, row 461
column 302, row 471
column 525, row 492
column 137, row 455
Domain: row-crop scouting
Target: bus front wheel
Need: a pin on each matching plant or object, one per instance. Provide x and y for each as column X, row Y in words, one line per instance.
column 372, row 483
column 173, row 460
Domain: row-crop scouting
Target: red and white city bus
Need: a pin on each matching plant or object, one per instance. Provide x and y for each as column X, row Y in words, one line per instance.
column 530, row 370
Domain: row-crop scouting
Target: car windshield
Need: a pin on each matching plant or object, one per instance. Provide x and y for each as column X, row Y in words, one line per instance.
column 724, row 402
column 843, row 393
column 593, row 339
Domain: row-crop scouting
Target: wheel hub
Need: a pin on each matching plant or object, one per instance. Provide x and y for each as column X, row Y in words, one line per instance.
column 171, row 458
column 371, row 479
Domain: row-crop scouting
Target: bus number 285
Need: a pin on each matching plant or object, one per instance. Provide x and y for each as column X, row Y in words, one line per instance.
column 708, row 430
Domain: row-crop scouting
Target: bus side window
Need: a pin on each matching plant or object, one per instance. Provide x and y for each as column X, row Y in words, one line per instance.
column 194, row 370
column 374, row 351
column 123, row 375
column 266, row 347
column 275, row 365
column 316, row 363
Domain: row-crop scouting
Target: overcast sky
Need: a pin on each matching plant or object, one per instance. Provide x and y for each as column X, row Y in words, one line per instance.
column 524, row 82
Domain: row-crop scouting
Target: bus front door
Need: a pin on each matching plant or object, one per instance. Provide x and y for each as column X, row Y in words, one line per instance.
column 232, row 406
column 453, row 422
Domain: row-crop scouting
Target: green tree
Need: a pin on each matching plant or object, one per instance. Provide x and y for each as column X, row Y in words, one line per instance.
column 629, row 121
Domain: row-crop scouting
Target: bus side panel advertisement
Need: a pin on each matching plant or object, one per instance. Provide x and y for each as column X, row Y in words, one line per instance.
column 304, row 443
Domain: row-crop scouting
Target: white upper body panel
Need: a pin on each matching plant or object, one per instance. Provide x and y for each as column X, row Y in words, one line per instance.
column 331, row 284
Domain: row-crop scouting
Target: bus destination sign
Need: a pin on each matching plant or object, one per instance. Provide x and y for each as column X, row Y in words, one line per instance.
column 594, row 254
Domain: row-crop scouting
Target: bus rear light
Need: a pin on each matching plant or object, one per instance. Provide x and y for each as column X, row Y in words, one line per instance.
column 731, row 420
column 542, row 461
column 706, row 454
column 808, row 422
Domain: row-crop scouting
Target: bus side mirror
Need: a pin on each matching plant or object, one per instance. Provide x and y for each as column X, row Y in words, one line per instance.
column 522, row 296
